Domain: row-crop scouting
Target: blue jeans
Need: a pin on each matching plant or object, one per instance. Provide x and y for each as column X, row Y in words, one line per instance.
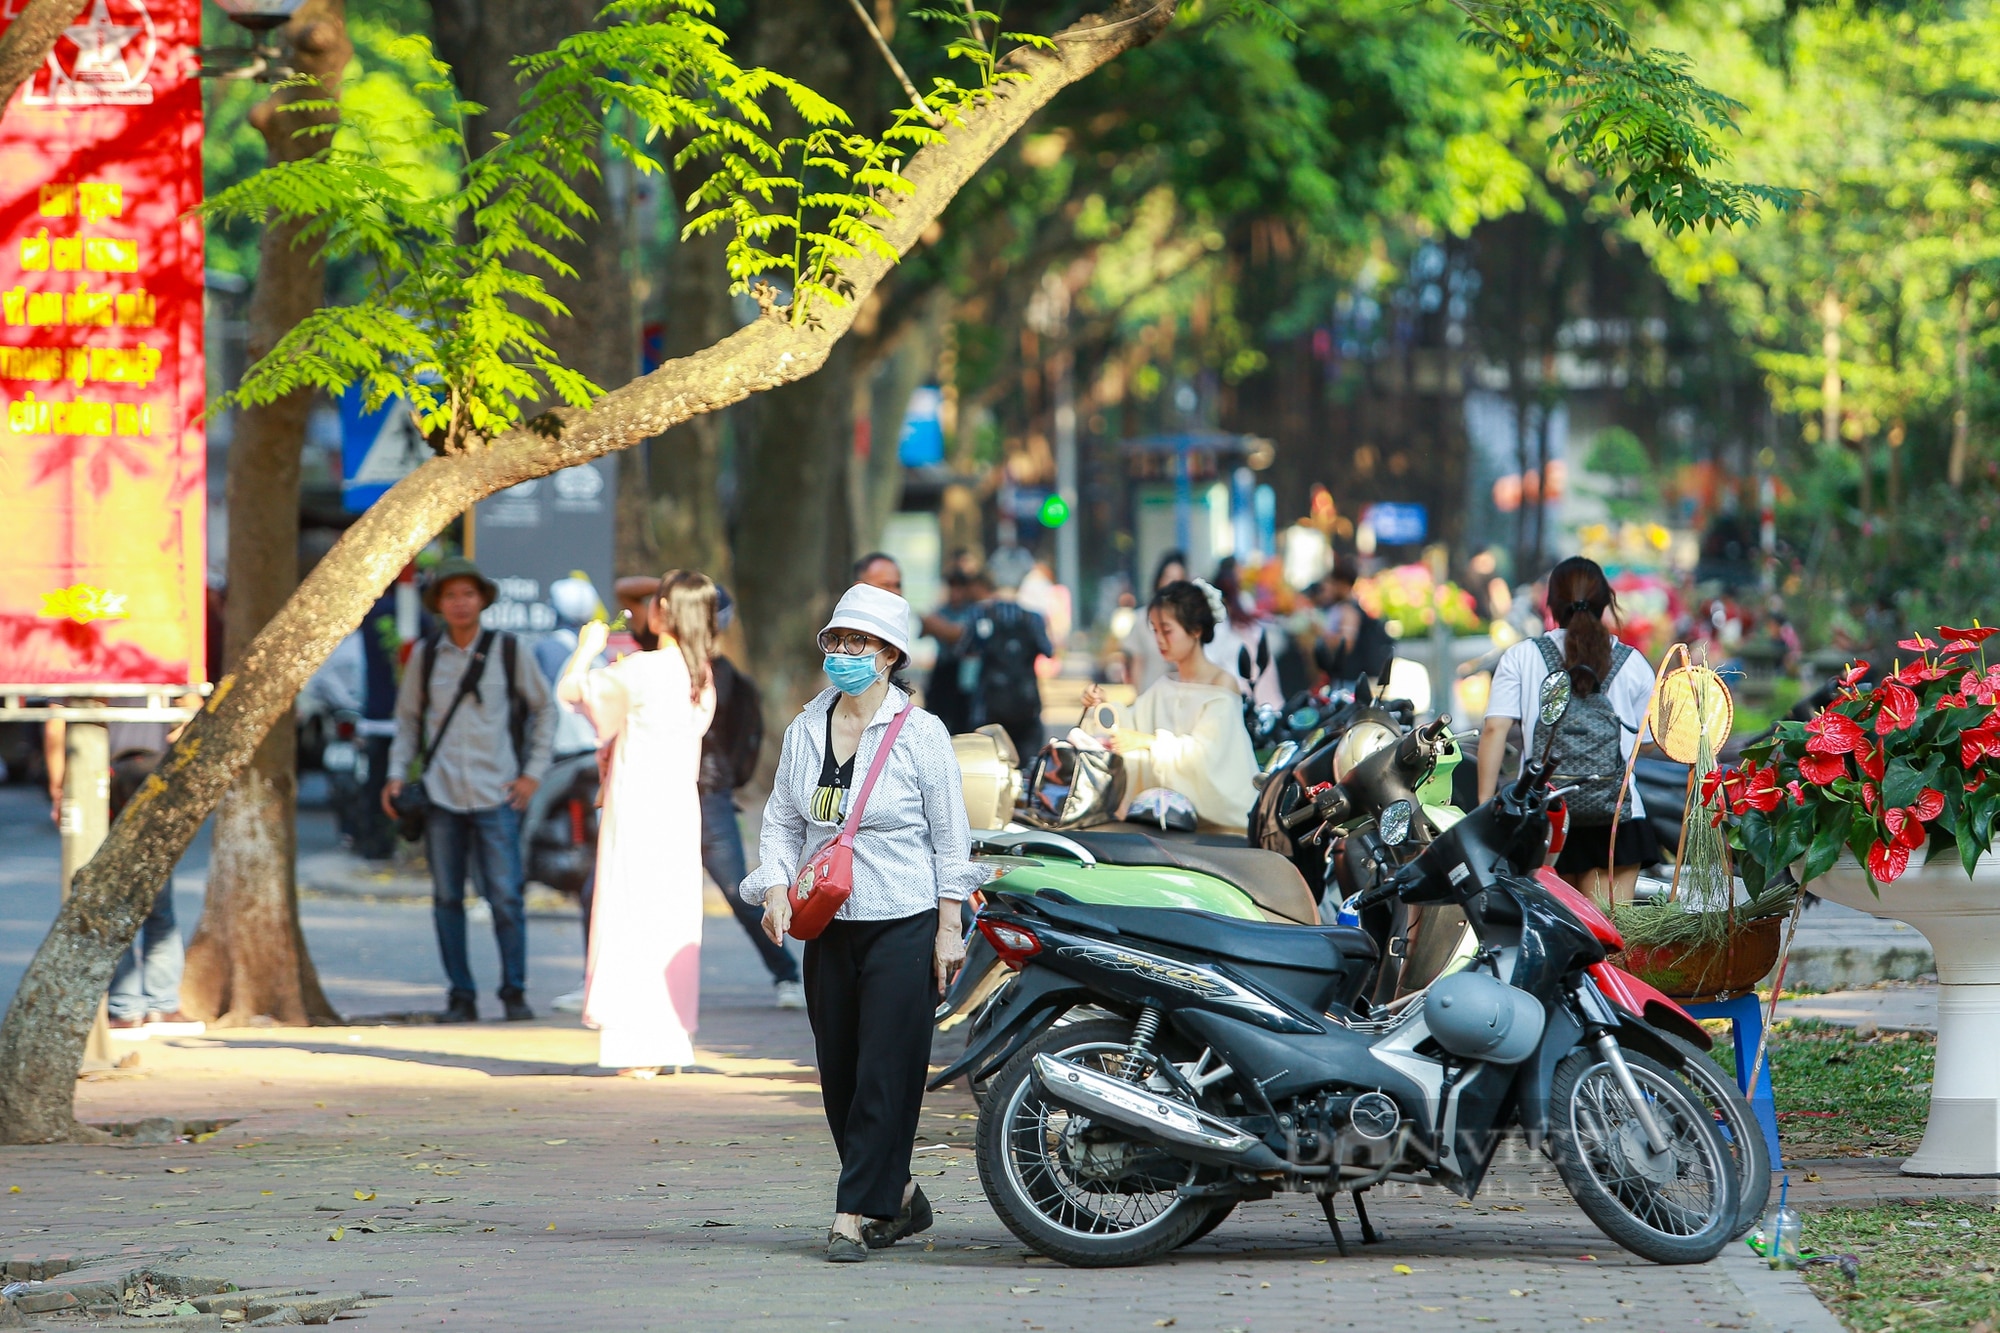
column 722, row 857
column 148, row 977
column 489, row 842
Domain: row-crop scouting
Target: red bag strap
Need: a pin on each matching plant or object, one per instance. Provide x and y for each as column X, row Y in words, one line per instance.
column 853, row 820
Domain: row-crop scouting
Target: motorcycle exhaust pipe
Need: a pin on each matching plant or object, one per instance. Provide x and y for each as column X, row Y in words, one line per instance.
column 1147, row 1115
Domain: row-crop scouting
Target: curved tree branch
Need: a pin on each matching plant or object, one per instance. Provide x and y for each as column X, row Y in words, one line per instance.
column 41, row 1041
column 29, row 39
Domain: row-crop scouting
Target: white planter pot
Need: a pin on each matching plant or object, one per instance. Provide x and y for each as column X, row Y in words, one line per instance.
column 1960, row 917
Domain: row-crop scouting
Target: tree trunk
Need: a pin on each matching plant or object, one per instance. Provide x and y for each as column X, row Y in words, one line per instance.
column 42, row 1037
column 480, row 40
column 248, row 958
column 1961, row 384
column 29, row 39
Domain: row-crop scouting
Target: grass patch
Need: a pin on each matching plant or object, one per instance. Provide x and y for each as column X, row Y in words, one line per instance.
column 1924, row 1266
column 1842, row 1096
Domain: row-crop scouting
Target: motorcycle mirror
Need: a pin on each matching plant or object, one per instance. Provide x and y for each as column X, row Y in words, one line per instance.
column 1394, row 823
column 1280, row 759
column 1555, row 697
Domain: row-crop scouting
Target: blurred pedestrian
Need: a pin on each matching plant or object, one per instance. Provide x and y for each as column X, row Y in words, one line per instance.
column 1253, row 642
column 873, row 975
column 477, row 741
column 1005, row 640
column 1612, row 687
column 729, row 755
column 1352, row 644
column 642, row 984
column 1143, row 663
column 878, row 569
column 145, row 994
column 947, row 694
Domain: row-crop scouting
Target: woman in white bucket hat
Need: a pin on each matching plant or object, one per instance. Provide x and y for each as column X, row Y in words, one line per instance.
column 873, row 976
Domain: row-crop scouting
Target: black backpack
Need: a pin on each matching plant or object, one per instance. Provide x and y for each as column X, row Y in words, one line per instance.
column 1590, row 751
column 1006, row 642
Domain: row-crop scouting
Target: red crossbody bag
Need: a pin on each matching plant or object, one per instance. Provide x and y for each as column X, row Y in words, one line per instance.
column 826, row 881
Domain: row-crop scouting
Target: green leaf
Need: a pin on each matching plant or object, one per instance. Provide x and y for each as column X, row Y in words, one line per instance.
column 1835, row 818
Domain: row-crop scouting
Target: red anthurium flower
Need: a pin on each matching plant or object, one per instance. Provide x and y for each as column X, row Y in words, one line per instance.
column 1796, row 792
column 1920, row 672
column 1833, row 733
column 1982, row 688
column 1869, row 757
column 1977, row 743
column 1853, row 675
column 1887, row 862
column 1917, row 645
column 1822, row 769
column 1867, row 796
column 1977, row 634
column 1898, row 710
column 1905, row 829
column 1949, row 701
column 1978, row 779
column 1929, row 805
column 1761, row 790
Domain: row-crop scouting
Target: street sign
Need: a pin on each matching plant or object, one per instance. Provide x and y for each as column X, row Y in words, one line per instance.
column 377, row 449
column 528, row 536
column 1398, row 524
column 102, row 455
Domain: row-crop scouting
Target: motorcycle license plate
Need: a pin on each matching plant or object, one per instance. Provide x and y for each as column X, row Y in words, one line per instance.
column 337, row 757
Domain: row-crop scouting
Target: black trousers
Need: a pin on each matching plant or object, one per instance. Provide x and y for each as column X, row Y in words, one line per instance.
column 870, row 992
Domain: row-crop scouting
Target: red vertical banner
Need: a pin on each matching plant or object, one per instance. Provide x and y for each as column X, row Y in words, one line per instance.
column 103, row 502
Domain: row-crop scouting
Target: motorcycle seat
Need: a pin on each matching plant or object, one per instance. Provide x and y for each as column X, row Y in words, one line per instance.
column 1269, row 880
column 1305, row 948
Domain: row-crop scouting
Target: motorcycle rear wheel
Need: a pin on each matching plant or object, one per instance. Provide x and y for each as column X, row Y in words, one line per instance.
column 1740, row 1130
column 1026, row 1149
column 1675, row 1209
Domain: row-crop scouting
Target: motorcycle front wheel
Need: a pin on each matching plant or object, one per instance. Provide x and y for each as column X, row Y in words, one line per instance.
column 1673, row 1207
column 1737, row 1122
column 1080, row 1197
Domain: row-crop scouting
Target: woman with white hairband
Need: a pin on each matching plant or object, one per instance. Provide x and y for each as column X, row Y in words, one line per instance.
column 1186, row 730
column 862, row 767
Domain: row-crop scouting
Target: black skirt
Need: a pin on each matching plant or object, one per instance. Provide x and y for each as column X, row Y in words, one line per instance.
column 1586, row 846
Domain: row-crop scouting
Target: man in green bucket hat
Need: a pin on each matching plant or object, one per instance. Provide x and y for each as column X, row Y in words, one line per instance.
column 474, row 728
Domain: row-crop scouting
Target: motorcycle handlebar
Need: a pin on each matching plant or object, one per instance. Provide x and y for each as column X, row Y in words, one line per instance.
column 1325, row 806
column 1532, row 774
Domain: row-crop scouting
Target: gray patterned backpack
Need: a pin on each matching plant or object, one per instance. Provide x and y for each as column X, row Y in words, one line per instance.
column 1588, row 753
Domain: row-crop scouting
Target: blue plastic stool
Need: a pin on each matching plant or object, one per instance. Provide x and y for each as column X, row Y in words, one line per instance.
column 1746, row 1027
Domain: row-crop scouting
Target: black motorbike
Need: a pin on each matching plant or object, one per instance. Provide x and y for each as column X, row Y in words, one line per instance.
column 1235, row 1059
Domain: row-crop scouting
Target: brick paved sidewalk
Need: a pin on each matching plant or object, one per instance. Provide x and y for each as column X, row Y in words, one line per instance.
column 517, row 1188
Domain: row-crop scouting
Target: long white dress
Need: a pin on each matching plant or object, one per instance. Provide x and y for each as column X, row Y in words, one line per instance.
column 642, row 983
column 1199, row 749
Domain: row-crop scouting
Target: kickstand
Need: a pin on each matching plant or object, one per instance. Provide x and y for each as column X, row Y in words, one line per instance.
column 1326, row 1202
column 1369, row 1235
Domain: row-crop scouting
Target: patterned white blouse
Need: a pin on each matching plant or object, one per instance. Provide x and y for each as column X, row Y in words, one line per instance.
column 914, row 846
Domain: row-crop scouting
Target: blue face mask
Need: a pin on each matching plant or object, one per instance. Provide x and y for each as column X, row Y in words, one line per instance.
column 852, row 675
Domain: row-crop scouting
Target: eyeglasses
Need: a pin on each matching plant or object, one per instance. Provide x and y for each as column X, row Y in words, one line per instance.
column 851, row 642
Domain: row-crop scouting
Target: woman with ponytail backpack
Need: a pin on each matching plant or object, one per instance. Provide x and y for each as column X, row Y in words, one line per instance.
column 1612, row 684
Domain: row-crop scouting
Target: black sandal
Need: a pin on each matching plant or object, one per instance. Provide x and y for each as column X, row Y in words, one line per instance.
column 844, row 1249
column 915, row 1217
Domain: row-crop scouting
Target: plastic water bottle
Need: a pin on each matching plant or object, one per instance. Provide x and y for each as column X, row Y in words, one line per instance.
column 1782, row 1231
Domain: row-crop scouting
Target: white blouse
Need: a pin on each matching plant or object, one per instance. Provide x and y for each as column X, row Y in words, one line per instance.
column 914, row 846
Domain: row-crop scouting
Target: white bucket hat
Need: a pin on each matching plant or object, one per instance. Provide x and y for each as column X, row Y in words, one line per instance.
column 874, row 611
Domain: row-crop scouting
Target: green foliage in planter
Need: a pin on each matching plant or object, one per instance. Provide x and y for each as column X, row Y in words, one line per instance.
column 1663, row 923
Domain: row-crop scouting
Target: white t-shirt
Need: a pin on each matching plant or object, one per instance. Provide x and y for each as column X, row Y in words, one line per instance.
column 1517, row 691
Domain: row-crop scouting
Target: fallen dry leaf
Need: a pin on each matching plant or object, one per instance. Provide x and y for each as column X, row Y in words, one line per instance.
column 1165, row 1323
column 336, row 1233
column 365, row 1197
column 555, row 1143
column 1402, row 1270
column 552, row 1226
column 177, row 1170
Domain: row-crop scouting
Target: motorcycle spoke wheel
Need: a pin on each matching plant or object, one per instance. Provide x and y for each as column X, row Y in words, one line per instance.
column 1679, row 1206
column 1072, row 1192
